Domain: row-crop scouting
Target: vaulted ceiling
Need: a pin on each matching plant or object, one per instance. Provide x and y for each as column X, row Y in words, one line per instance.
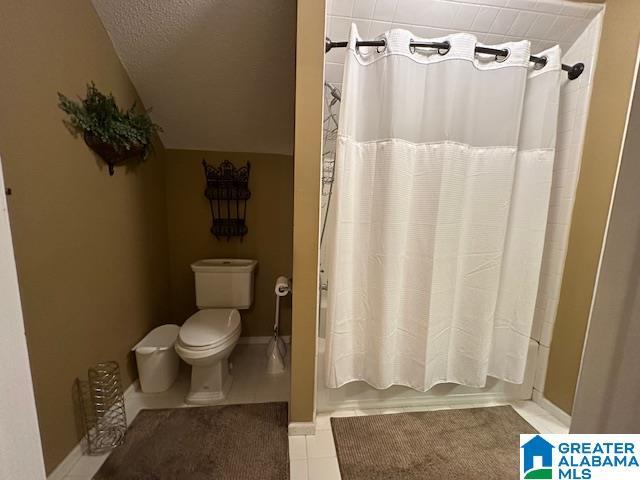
column 218, row 74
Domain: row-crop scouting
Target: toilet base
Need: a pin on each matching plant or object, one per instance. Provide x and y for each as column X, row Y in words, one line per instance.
column 210, row 384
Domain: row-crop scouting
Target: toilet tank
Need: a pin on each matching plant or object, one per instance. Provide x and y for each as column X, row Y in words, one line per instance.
column 224, row 282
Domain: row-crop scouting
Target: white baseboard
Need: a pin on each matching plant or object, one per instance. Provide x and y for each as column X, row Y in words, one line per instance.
column 261, row 340
column 552, row 409
column 65, row 466
column 302, row 428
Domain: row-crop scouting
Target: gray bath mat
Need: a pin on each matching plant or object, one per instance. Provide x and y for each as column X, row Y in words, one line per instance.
column 469, row 444
column 223, row 442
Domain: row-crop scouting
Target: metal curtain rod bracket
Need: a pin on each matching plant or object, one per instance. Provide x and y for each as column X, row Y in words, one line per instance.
column 573, row 71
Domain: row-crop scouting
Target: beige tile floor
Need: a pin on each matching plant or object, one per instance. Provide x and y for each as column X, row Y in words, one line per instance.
column 312, row 457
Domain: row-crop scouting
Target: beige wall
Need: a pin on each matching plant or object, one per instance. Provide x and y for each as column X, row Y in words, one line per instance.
column 610, row 99
column 91, row 249
column 307, row 155
column 269, row 240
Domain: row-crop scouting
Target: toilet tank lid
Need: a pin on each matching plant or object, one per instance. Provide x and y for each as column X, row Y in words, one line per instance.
column 224, row 265
column 209, row 326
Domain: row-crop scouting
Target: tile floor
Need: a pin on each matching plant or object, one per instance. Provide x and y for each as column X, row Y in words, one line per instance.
column 312, row 457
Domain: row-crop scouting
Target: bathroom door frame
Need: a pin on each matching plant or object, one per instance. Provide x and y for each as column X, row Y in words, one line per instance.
column 20, row 447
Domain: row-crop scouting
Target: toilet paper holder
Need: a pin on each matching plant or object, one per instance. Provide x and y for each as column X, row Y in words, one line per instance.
column 276, row 349
column 283, row 286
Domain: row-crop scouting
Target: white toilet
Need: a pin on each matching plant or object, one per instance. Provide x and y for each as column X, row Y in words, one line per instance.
column 208, row 336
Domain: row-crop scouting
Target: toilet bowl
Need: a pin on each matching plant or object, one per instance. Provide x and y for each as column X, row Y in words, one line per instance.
column 205, row 342
column 208, row 337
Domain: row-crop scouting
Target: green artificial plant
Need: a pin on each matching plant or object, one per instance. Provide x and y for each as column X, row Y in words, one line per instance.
column 98, row 118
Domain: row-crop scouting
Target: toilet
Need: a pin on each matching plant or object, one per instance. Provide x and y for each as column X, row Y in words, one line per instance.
column 207, row 338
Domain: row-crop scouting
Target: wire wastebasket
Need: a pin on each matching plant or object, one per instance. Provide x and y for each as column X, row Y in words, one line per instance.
column 102, row 407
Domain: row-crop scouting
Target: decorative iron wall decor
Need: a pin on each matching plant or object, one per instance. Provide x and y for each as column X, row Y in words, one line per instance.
column 227, row 191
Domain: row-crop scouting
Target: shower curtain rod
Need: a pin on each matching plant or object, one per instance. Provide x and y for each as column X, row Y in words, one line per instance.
column 574, row 71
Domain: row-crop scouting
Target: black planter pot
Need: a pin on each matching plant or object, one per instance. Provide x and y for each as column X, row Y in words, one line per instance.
column 109, row 153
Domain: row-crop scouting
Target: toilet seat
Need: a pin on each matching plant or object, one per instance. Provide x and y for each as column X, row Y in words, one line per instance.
column 209, row 329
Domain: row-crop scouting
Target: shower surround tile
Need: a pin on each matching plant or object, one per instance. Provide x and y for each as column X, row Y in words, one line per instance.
column 523, row 4
column 484, row 20
column 544, row 6
column 574, row 106
column 343, row 8
column 541, row 368
column 363, row 8
column 385, row 10
column 465, row 18
column 521, row 25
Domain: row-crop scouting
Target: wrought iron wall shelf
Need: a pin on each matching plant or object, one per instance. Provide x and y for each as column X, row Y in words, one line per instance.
column 227, row 191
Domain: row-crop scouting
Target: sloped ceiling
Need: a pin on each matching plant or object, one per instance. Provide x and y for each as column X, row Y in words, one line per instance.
column 218, row 74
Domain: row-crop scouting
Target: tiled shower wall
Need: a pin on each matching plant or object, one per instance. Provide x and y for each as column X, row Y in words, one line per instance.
column 572, row 123
column 575, row 27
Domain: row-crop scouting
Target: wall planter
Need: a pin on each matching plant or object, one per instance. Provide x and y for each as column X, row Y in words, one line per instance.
column 117, row 136
column 112, row 156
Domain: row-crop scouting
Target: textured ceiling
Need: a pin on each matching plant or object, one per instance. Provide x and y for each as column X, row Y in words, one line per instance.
column 218, row 74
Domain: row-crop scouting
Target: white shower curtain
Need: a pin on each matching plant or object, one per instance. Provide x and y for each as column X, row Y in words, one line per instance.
column 442, row 182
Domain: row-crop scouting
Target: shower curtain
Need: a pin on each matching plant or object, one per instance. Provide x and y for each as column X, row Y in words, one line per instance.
column 442, row 183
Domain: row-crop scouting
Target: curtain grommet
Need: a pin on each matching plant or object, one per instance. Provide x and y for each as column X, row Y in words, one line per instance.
column 384, row 47
column 503, row 58
column 412, row 49
column 541, row 65
column 447, row 50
